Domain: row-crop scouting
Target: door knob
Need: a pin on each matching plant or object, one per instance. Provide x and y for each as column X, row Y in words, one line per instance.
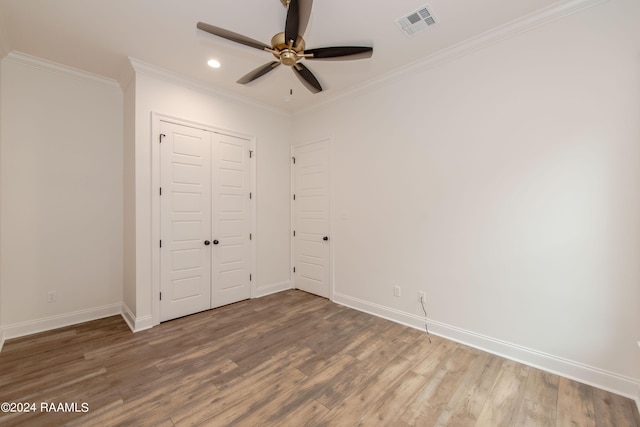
column 325, row 238
column 215, row 242
column 207, row 243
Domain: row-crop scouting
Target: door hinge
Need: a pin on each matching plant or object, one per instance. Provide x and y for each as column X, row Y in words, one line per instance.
column 250, row 154
column 160, row 243
column 250, row 196
column 294, row 233
column 161, row 191
column 294, row 269
column 250, row 277
column 162, row 135
column 294, row 197
column 250, row 236
column 160, row 296
column 294, row 160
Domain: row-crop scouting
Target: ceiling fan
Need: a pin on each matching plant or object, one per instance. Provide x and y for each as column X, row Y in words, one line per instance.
column 289, row 47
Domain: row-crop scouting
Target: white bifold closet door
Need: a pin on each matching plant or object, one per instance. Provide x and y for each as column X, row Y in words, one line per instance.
column 204, row 220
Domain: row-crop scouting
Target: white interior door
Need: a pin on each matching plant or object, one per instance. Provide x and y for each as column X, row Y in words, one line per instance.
column 205, row 220
column 185, row 211
column 231, row 220
column 311, row 218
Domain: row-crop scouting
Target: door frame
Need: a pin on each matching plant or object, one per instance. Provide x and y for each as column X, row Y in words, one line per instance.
column 156, row 118
column 292, row 260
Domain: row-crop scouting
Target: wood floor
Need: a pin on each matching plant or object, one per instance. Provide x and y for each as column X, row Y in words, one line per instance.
column 289, row 359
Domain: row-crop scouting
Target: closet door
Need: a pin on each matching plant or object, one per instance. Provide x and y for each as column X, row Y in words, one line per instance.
column 185, row 221
column 231, row 220
column 205, row 220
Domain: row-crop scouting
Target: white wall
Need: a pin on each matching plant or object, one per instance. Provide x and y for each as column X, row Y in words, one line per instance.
column 506, row 185
column 1, row 56
column 75, row 187
column 129, row 211
column 4, row 50
column 4, row 38
column 158, row 92
column 61, row 207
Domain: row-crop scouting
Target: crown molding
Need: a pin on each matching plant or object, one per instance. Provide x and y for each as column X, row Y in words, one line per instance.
column 496, row 35
column 141, row 67
column 54, row 67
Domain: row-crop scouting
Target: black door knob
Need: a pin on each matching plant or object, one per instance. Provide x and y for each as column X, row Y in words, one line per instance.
column 325, row 238
column 215, row 242
column 207, row 243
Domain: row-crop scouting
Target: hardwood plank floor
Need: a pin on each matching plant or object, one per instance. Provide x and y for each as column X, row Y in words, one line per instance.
column 289, row 359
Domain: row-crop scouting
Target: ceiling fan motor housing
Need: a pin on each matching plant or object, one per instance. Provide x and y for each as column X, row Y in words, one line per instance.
column 288, row 55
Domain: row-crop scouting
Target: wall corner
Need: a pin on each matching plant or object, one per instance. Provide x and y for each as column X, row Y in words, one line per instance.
column 637, row 398
column 135, row 324
column 2, row 55
column 5, row 46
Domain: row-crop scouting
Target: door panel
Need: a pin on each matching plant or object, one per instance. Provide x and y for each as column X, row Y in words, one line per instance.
column 185, row 217
column 311, row 218
column 231, row 220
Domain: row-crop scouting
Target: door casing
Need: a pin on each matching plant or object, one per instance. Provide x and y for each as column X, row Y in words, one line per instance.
column 156, row 118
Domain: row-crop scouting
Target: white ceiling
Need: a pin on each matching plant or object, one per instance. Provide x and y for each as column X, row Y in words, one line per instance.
column 99, row 35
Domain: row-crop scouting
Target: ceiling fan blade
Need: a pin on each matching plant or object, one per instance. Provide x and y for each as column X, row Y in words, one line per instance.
column 258, row 72
column 304, row 11
column 307, row 78
column 230, row 35
column 340, row 52
column 292, row 23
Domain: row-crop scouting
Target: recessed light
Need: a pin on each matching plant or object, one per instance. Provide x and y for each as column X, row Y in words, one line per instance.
column 213, row 63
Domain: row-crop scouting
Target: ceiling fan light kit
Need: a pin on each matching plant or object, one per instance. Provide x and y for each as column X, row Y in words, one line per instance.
column 288, row 47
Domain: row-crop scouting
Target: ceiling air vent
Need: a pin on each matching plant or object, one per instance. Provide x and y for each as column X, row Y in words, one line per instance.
column 417, row 21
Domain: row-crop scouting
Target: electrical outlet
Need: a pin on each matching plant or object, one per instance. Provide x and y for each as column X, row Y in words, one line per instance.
column 396, row 291
column 422, row 296
column 52, row 296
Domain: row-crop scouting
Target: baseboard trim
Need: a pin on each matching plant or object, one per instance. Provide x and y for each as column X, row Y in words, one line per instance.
column 1, row 338
column 136, row 324
column 273, row 288
column 590, row 375
column 35, row 326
